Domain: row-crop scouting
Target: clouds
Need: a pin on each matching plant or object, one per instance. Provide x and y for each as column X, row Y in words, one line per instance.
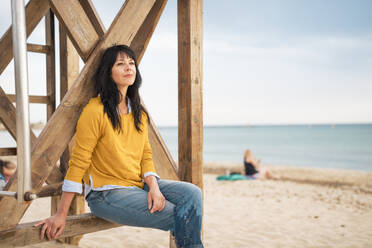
column 290, row 61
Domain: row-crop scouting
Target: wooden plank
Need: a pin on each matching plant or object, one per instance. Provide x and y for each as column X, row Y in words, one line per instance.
column 69, row 71
column 79, row 28
column 190, row 106
column 93, row 16
column 31, row 99
column 50, row 190
column 8, row 151
column 27, row 234
column 60, row 128
column 50, row 64
column 35, row 48
column 8, row 117
column 35, row 10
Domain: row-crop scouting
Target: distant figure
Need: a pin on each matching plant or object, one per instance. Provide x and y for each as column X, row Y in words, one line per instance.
column 251, row 167
column 7, row 170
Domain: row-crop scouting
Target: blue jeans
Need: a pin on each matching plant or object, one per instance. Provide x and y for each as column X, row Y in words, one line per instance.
column 182, row 214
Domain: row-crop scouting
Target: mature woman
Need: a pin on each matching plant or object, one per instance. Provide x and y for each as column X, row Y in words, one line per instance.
column 113, row 157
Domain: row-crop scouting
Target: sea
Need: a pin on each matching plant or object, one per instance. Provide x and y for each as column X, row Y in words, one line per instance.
column 344, row 146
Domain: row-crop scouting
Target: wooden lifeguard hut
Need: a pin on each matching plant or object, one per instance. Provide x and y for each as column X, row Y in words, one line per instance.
column 83, row 35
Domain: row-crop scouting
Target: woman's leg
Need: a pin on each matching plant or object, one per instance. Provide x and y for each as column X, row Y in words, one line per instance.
column 128, row 206
column 187, row 200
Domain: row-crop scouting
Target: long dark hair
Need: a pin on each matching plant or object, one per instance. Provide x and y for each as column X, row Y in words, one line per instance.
column 109, row 93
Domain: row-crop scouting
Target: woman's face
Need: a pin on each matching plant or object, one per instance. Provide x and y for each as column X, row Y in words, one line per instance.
column 123, row 72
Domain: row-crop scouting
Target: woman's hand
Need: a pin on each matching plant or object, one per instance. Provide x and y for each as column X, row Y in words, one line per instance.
column 52, row 227
column 155, row 200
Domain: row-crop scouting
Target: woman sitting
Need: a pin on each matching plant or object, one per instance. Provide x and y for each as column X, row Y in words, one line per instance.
column 252, row 167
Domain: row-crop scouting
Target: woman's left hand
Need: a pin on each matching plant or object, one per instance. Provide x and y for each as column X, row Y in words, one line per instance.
column 155, row 200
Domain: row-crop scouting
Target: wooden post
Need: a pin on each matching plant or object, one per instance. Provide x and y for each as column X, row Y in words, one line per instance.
column 50, row 63
column 190, row 106
column 69, row 71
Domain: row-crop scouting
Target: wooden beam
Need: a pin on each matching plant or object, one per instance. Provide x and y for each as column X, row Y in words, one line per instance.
column 27, row 234
column 8, row 116
column 50, row 190
column 35, row 10
column 93, row 16
column 31, row 99
column 79, row 28
column 8, row 151
column 190, row 106
column 60, row 128
column 50, row 63
column 69, row 71
column 35, row 48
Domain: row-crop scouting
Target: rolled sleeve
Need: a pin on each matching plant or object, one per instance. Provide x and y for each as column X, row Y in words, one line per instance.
column 71, row 186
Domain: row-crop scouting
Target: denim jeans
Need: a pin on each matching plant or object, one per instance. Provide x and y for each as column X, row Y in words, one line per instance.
column 182, row 214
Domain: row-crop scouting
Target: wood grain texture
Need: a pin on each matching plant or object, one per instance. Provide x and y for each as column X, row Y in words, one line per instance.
column 93, row 16
column 8, row 151
column 50, row 63
column 35, row 11
column 27, row 234
column 35, row 48
column 80, row 29
column 60, row 128
column 190, row 105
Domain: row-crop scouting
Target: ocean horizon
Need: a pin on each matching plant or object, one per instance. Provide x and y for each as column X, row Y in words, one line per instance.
column 338, row 146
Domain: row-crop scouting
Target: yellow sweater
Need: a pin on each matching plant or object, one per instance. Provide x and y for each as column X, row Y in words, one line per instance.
column 109, row 157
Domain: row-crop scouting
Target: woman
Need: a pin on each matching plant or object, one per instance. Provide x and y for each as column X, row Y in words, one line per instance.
column 113, row 157
column 251, row 167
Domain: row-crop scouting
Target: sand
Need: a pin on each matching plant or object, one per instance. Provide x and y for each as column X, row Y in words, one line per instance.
column 304, row 208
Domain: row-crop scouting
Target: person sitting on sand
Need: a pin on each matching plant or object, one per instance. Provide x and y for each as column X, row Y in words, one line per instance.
column 7, row 170
column 252, row 167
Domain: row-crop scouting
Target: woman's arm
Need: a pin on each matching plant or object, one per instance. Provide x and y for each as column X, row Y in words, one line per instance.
column 54, row 226
column 155, row 199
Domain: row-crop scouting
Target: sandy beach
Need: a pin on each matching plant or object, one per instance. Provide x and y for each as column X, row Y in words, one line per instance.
column 304, row 208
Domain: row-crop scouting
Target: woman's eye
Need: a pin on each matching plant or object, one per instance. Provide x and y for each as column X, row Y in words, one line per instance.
column 131, row 63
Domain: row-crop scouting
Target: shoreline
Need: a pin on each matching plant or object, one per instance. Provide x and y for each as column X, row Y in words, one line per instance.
column 304, row 208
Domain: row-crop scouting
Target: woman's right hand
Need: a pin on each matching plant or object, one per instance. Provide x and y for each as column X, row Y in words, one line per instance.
column 52, row 227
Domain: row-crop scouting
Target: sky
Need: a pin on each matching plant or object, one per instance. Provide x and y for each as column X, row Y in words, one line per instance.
column 264, row 62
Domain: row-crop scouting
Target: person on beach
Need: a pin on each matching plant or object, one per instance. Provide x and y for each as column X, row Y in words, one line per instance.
column 252, row 168
column 113, row 157
column 7, row 170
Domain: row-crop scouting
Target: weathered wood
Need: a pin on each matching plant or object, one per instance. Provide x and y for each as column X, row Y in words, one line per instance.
column 50, row 64
column 50, row 190
column 8, row 117
column 93, row 16
column 8, row 151
column 80, row 30
column 27, row 234
column 60, row 128
column 190, row 117
column 35, row 10
column 35, row 48
column 69, row 71
column 31, row 99
column 55, row 176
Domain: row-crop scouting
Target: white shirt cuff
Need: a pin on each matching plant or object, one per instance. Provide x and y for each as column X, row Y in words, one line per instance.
column 150, row 173
column 71, row 186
